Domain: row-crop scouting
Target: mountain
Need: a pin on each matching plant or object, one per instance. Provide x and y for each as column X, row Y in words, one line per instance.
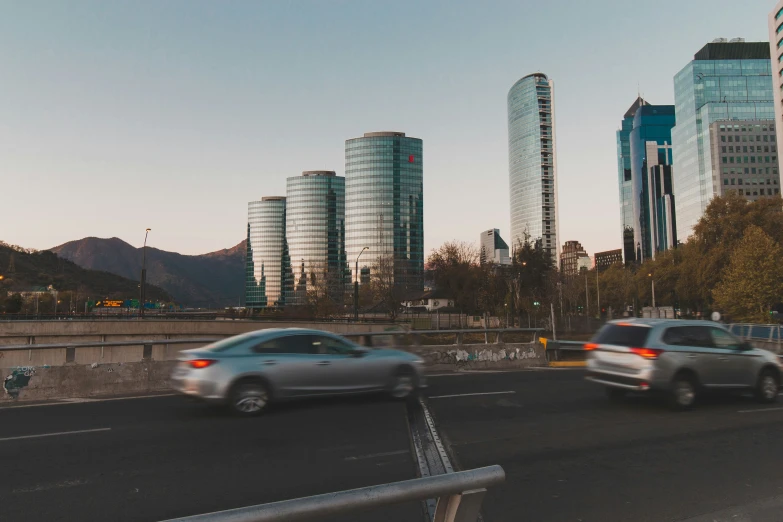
column 215, row 279
column 24, row 270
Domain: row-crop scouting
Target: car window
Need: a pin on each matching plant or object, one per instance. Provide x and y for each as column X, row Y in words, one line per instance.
column 286, row 344
column 622, row 335
column 698, row 336
column 331, row 346
column 723, row 339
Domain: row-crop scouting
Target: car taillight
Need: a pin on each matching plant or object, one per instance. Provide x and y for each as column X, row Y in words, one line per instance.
column 589, row 347
column 201, row 363
column 647, row 353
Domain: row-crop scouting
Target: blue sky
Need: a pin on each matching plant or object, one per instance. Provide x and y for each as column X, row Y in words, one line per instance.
column 117, row 116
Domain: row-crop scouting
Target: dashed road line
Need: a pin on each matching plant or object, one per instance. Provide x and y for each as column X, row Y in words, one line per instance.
column 760, row 410
column 55, row 434
column 378, row 455
column 471, row 394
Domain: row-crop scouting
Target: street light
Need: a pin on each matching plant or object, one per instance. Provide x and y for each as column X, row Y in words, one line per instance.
column 652, row 282
column 356, row 287
column 143, row 273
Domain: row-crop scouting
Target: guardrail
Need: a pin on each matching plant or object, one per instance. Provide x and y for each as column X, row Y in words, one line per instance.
column 459, row 335
column 459, row 497
column 758, row 332
column 564, row 353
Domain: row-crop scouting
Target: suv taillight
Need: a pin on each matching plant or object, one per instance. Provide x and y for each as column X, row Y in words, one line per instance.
column 589, row 347
column 201, row 363
column 647, row 353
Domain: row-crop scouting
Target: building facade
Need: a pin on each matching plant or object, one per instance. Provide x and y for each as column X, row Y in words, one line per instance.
column 604, row 260
column 652, row 196
column 269, row 280
column 776, row 60
column 384, row 207
column 315, row 231
column 625, row 181
column 572, row 257
column 744, row 158
column 493, row 249
column 726, row 81
column 532, row 162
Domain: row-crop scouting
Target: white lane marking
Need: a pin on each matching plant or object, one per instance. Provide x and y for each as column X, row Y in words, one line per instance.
column 377, row 455
column 470, row 394
column 760, row 410
column 473, row 373
column 55, row 434
column 83, row 400
column 46, row 487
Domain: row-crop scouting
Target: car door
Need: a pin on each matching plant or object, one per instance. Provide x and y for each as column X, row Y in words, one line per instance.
column 290, row 364
column 736, row 364
column 341, row 367
column 693, row 345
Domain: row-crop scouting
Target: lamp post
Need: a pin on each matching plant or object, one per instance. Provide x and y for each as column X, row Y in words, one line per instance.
column 143, row 273
column 652, row 282
column 356, row 287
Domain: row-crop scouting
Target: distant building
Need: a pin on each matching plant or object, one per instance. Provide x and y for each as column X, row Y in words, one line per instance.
column 431, row 301
column 776, row 56
column 625, row 181
column 269, row 280
column 493, row 249
column 572, row 257
column 604, row 260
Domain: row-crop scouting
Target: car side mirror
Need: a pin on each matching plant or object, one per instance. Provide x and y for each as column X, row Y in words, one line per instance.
column 359, row 352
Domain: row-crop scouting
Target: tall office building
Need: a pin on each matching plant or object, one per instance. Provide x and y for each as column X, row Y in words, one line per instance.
column 269, row 278
column 315, row 231
column 744, row 158
column 573, row 258
column 532, row 161
column 384, row 207
column 624, row 181
column 728, row 81
column 604, row 260
column 493, row 249
column 652, row 196
column 776, row 56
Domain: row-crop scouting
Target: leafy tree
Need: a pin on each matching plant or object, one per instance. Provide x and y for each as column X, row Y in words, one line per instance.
column 13, row 304
column 752, row 282
column 386, row 290
column 456, row 272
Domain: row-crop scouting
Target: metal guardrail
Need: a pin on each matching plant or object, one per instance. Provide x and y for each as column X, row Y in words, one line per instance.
column 574, row 350
column 70, row 348
column 459, row 497
column 459, row 335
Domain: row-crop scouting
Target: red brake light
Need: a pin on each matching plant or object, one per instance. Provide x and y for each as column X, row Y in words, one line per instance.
column 647, row 353
column 589, row 347
column 201, row 363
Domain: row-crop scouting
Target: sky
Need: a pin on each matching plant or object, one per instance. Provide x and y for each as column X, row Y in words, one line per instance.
column 119, row 116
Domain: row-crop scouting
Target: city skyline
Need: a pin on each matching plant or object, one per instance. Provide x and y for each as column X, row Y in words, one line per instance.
column 172, row 125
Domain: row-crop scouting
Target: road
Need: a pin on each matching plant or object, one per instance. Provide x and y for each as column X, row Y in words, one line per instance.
column 569, row 454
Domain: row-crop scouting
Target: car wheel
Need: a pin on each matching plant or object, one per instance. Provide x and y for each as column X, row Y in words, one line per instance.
column 249, row 398
column 683, row 392
column 403, row 384
column 615, row 394
column 768, row 386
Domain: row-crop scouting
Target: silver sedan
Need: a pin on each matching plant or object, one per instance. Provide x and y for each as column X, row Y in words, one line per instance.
column 249, row 371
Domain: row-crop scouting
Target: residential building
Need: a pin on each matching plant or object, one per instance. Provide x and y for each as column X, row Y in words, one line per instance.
column 570, row 256
column 269, row 280
column 430, row 301
column 625, row 181
column 744, row 158
column 493, row 249
column 384, row 207
column 651, row 179
column 725, row 81
column 776, row 57
column 315, row 231
column 532, row 162
column 604, row 260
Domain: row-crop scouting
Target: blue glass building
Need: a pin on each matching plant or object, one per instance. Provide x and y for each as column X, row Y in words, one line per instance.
column 384, row 207
column 269, row 280
column 624, row 181
column 726, row 81
column 532, row 162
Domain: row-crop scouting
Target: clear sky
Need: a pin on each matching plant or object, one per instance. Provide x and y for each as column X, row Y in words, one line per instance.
column 117, row 116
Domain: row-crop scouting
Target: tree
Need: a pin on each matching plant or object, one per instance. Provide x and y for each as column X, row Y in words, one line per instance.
column 13, row 304
column 617, row 287
column 386, row 290
column 457, row 272
column 752, row 282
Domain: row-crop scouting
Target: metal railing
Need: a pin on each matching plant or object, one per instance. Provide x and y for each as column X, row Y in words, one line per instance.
column 70, row 347
column 459, row 497
column 416, row 336
column 557, row 351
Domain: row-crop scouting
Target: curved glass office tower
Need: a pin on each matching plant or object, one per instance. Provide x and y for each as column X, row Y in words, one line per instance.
column 315, row 230
column 269, row 279
column 384, row 206
column 532, row 161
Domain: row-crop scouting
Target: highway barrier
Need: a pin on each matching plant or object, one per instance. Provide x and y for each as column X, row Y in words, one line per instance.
column 565, row 353
column 459, row 495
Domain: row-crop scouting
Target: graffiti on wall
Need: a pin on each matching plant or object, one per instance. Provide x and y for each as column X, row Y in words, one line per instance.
column 18, row 379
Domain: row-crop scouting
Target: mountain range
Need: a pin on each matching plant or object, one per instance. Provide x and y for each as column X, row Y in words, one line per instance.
column 215, row 279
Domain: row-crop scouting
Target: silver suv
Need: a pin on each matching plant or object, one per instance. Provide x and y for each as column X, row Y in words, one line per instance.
column 680, row 359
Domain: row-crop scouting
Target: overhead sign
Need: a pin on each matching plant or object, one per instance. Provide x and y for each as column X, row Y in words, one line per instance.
column 109, row 303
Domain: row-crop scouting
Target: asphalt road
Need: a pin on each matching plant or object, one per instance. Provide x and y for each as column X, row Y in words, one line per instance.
column 569, row 454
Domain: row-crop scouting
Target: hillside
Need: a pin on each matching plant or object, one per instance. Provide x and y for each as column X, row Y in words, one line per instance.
column 215, row 279
column 24, row 270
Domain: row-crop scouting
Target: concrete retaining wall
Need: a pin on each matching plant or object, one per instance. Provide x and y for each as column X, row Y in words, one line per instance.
column 126, row 373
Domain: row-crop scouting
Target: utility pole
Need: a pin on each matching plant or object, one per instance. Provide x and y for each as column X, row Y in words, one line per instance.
column 143, row 274
column 587, row 298
column 598, row 292
column 356, row 287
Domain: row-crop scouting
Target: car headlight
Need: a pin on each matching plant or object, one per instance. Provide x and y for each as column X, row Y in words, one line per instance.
column 418, row 361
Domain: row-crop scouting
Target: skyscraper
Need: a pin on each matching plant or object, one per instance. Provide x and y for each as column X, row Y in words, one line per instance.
column 269, row 279
column 493, row 249
column 624, row 181
column 776, row 56
column 384, row 207
column 726, row 81
column 315, row 230
column 532, row 161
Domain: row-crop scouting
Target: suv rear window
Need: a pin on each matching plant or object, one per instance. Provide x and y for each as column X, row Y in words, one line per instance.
column 619, row 335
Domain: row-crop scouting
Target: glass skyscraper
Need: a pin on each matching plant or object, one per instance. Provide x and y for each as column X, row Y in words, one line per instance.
column 775, row 22
column 624, row 181
column 269, row 279
column 726, row 81
column 532, row 162
column 315, row 230
column 384, row 207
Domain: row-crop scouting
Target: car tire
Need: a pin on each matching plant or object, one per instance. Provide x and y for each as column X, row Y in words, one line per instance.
column 767, row 386
column 615, row 394
column 403, row 384
column 249, row 398
column 682, row 395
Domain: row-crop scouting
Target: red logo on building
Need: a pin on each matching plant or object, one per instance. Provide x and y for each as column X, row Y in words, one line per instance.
column 410, row 159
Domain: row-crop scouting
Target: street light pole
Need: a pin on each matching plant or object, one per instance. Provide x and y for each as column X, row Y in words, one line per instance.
column 356, row 287
column 143, row 273
column 652, row 282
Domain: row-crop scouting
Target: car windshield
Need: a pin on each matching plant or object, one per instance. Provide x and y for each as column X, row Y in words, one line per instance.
column 622, row 335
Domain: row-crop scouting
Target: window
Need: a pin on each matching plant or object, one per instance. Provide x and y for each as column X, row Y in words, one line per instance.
column 741, row 192
column 723, row 149
column 732, row 181
column 331, row 346
column 731, row 138
column 286, row 344
column 696, row 336
column 725, row 181
column 745, row 148
column 739, row 181
column 723, row 339
column 628, row 336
